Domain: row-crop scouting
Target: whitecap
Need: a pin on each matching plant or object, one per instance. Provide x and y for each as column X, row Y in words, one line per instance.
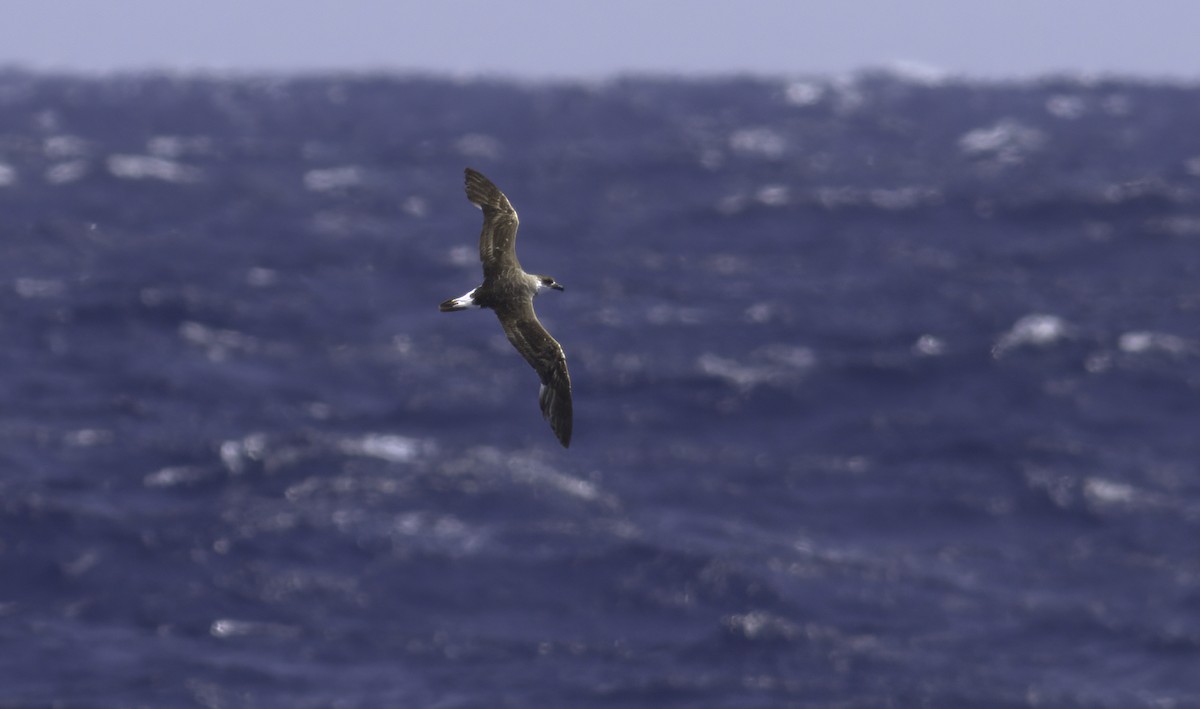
column 1066, row 107
column 415, row 206
column 929, row 346
column 478, row 145
column 217, row 342
column 58, row 147
column 445, row 533
column 30, row 288
column 82, row 564
column 803, row 93
column 8, row 175
column 760, row 313
column 1037, row 329
column 88, row 437
column 774, row 364
column 1108, row 492
column 1176, row 225
column 175, row 475
column 65, row 172
column 1007, row 142
column 236, row 453
column 772, row 195
column 174, row 146
column 389, row 447
column 792, row 357
column 1138, row 342
column 759, row 625
column 758, row 142
column 834, row 197
column 902, row 198
column 463, row 256
column 147, row 167
column 741, row 376
column 230, row 628
column 891, row 199
column 848, row 96
column 535, row 472
column 332, row 178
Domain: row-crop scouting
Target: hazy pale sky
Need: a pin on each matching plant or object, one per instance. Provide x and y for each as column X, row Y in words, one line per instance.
column 594, row 38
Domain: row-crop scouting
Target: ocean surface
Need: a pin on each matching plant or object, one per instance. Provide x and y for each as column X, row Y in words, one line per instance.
column 887, row 394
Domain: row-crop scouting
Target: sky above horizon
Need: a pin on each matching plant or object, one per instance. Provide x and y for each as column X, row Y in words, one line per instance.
column 537, row 39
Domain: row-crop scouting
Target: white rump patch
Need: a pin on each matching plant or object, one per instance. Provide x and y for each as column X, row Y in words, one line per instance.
column 466, row 301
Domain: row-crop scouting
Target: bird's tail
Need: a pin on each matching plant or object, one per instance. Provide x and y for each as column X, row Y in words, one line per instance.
column 462, row 302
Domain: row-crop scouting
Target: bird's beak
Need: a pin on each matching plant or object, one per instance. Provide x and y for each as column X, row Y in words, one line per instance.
column 556, row 286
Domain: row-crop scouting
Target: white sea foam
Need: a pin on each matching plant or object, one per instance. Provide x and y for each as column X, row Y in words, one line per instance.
column 235, row 454
column 760, row 313
column 1007, row 142
column 758, row 625
column 31, row 288
column 478, row 145
column 8, row 175
column 758, row 142
column 1178, row 225
column 929, row 346
column 772, row 195
column 231, row 628
column 64, row 172
column 1108, row 492
column 1066, row 106
column 415, row 206
column 902, row 198
column 463, row 255
column 535, row 472
column 1138, row 342
column 891, row 199
column 61, row 147
column 384, row 446
column 176, row 146
column 848, row 96
column 1038, row 329
column 771, row 365
column 175, row 475
column 804, row 93
column 88, row 437
column 333, row 178
column 217, row 342
column 148, row 167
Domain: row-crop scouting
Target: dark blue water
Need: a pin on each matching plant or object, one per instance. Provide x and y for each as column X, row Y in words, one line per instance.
column 887, row 395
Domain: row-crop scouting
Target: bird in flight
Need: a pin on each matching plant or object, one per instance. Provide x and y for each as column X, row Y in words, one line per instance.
column 509, row 291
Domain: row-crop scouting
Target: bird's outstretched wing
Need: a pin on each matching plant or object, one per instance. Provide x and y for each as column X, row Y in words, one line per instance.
column 497, row 241
column 545, row 355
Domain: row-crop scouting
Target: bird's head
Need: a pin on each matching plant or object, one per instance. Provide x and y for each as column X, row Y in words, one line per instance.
column 545, row 282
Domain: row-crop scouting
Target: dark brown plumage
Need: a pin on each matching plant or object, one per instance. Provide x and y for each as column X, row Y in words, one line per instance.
column 509, row 291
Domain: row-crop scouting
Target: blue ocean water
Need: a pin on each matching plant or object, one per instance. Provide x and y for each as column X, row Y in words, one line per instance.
column 886, row 394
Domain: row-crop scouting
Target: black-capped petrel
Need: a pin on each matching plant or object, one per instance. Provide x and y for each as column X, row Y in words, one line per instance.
column 509, row 291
